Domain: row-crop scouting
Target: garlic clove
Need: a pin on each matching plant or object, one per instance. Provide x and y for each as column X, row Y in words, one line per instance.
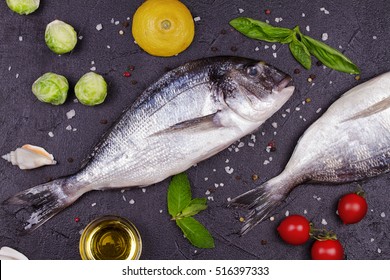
column 7, row 253
column 29, row 157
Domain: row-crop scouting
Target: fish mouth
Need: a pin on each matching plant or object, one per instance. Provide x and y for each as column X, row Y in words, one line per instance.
column 282, row 84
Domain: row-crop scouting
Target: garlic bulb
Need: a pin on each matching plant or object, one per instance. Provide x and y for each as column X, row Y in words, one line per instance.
column 7, row 253
column 29, row 157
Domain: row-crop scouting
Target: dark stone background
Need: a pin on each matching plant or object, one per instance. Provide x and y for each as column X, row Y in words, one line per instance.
column 23, row 119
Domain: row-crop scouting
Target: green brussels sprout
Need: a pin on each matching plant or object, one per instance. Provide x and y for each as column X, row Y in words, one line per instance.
column 91, row 89
column 23, row 7
column 60, row 37
column 51, row 88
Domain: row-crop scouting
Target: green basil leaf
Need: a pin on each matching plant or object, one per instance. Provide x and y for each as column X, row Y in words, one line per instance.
column 329, row 56
column 259, row 30
column 196, row 205
column 196, row 233
column 179, row 194
column 300, row 52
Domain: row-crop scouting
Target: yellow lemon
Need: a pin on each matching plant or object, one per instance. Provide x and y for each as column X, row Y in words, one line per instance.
column 163, row 27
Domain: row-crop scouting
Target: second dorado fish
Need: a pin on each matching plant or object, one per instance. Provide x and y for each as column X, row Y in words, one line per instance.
column 350, row 142
column 190, row 114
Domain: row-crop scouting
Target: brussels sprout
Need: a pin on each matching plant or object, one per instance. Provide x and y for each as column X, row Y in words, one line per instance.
column 60, row 37
column 91, row 89
column 51, row 88
column 23, row 7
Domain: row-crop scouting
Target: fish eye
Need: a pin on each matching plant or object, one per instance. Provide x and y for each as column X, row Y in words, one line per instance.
column 252, row 71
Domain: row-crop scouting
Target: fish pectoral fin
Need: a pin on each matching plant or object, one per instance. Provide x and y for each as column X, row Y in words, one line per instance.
column 202, row 123
column 373, row 109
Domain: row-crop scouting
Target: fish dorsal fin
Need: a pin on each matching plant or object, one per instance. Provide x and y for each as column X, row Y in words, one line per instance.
column 373, row 109
column 202, row 123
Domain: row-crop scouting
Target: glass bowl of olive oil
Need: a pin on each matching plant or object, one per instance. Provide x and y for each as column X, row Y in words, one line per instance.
column 110, row 238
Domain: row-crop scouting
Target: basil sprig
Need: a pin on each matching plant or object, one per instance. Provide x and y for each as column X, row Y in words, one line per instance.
column 182, row 207
column 300, row 45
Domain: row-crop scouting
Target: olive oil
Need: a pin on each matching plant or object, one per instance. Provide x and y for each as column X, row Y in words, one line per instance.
column 110, row 238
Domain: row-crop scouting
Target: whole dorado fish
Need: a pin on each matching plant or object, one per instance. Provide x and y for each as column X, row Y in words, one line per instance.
column 190, row 114
column 350, row 142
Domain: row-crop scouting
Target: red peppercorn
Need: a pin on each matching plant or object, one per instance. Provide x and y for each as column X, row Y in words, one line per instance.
column 267, row 11
column 126, row 74
column 77, row 219
column 272, row 146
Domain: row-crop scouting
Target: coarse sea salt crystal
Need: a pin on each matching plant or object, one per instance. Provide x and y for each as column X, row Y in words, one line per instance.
column 275, row 125
column 196, row 19
column 372, row 239
column 71, row 114
column 51, row 134
column 161, row 210
column 81, row 37
column 143, row 190
column 383, row 214
column 20, row 38
column 303, row 15
column 240, row 11
column 241, row 144
column 250, row 144
column 257, row 49
column 324, row 222
column 253, row 137
column 374, row 37
column 379, row 250
column 206, row 178
column 207, row 192
column 109, row 47
column 305, row 211
column 324, row 36
column 266, row 47
column 210, row 198
column 229, row 199
column 117, row 22
column 275, row 55
column 229, row 170
column 308, row 28
column 93, row 204
column 318, row 110
column 17, row 75
column 288, row 110
column 273, row 47
column 287, row 213
column 131, row 201
column 266, row 162
column 93, row 68
column 99, row 27
column 9, row 68
column 69, row 127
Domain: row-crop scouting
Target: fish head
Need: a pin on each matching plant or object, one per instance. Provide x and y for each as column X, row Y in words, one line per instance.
column 255, row 90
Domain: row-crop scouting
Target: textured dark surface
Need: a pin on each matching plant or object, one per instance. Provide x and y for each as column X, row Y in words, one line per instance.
column 359, row 27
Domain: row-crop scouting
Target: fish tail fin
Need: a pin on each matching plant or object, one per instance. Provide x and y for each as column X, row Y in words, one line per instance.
column 262, row 201
column 42, row 202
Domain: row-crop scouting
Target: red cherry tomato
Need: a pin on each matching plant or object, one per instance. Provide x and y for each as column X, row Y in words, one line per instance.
column 327, row 250
column 352, row 208
column 294, row 230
